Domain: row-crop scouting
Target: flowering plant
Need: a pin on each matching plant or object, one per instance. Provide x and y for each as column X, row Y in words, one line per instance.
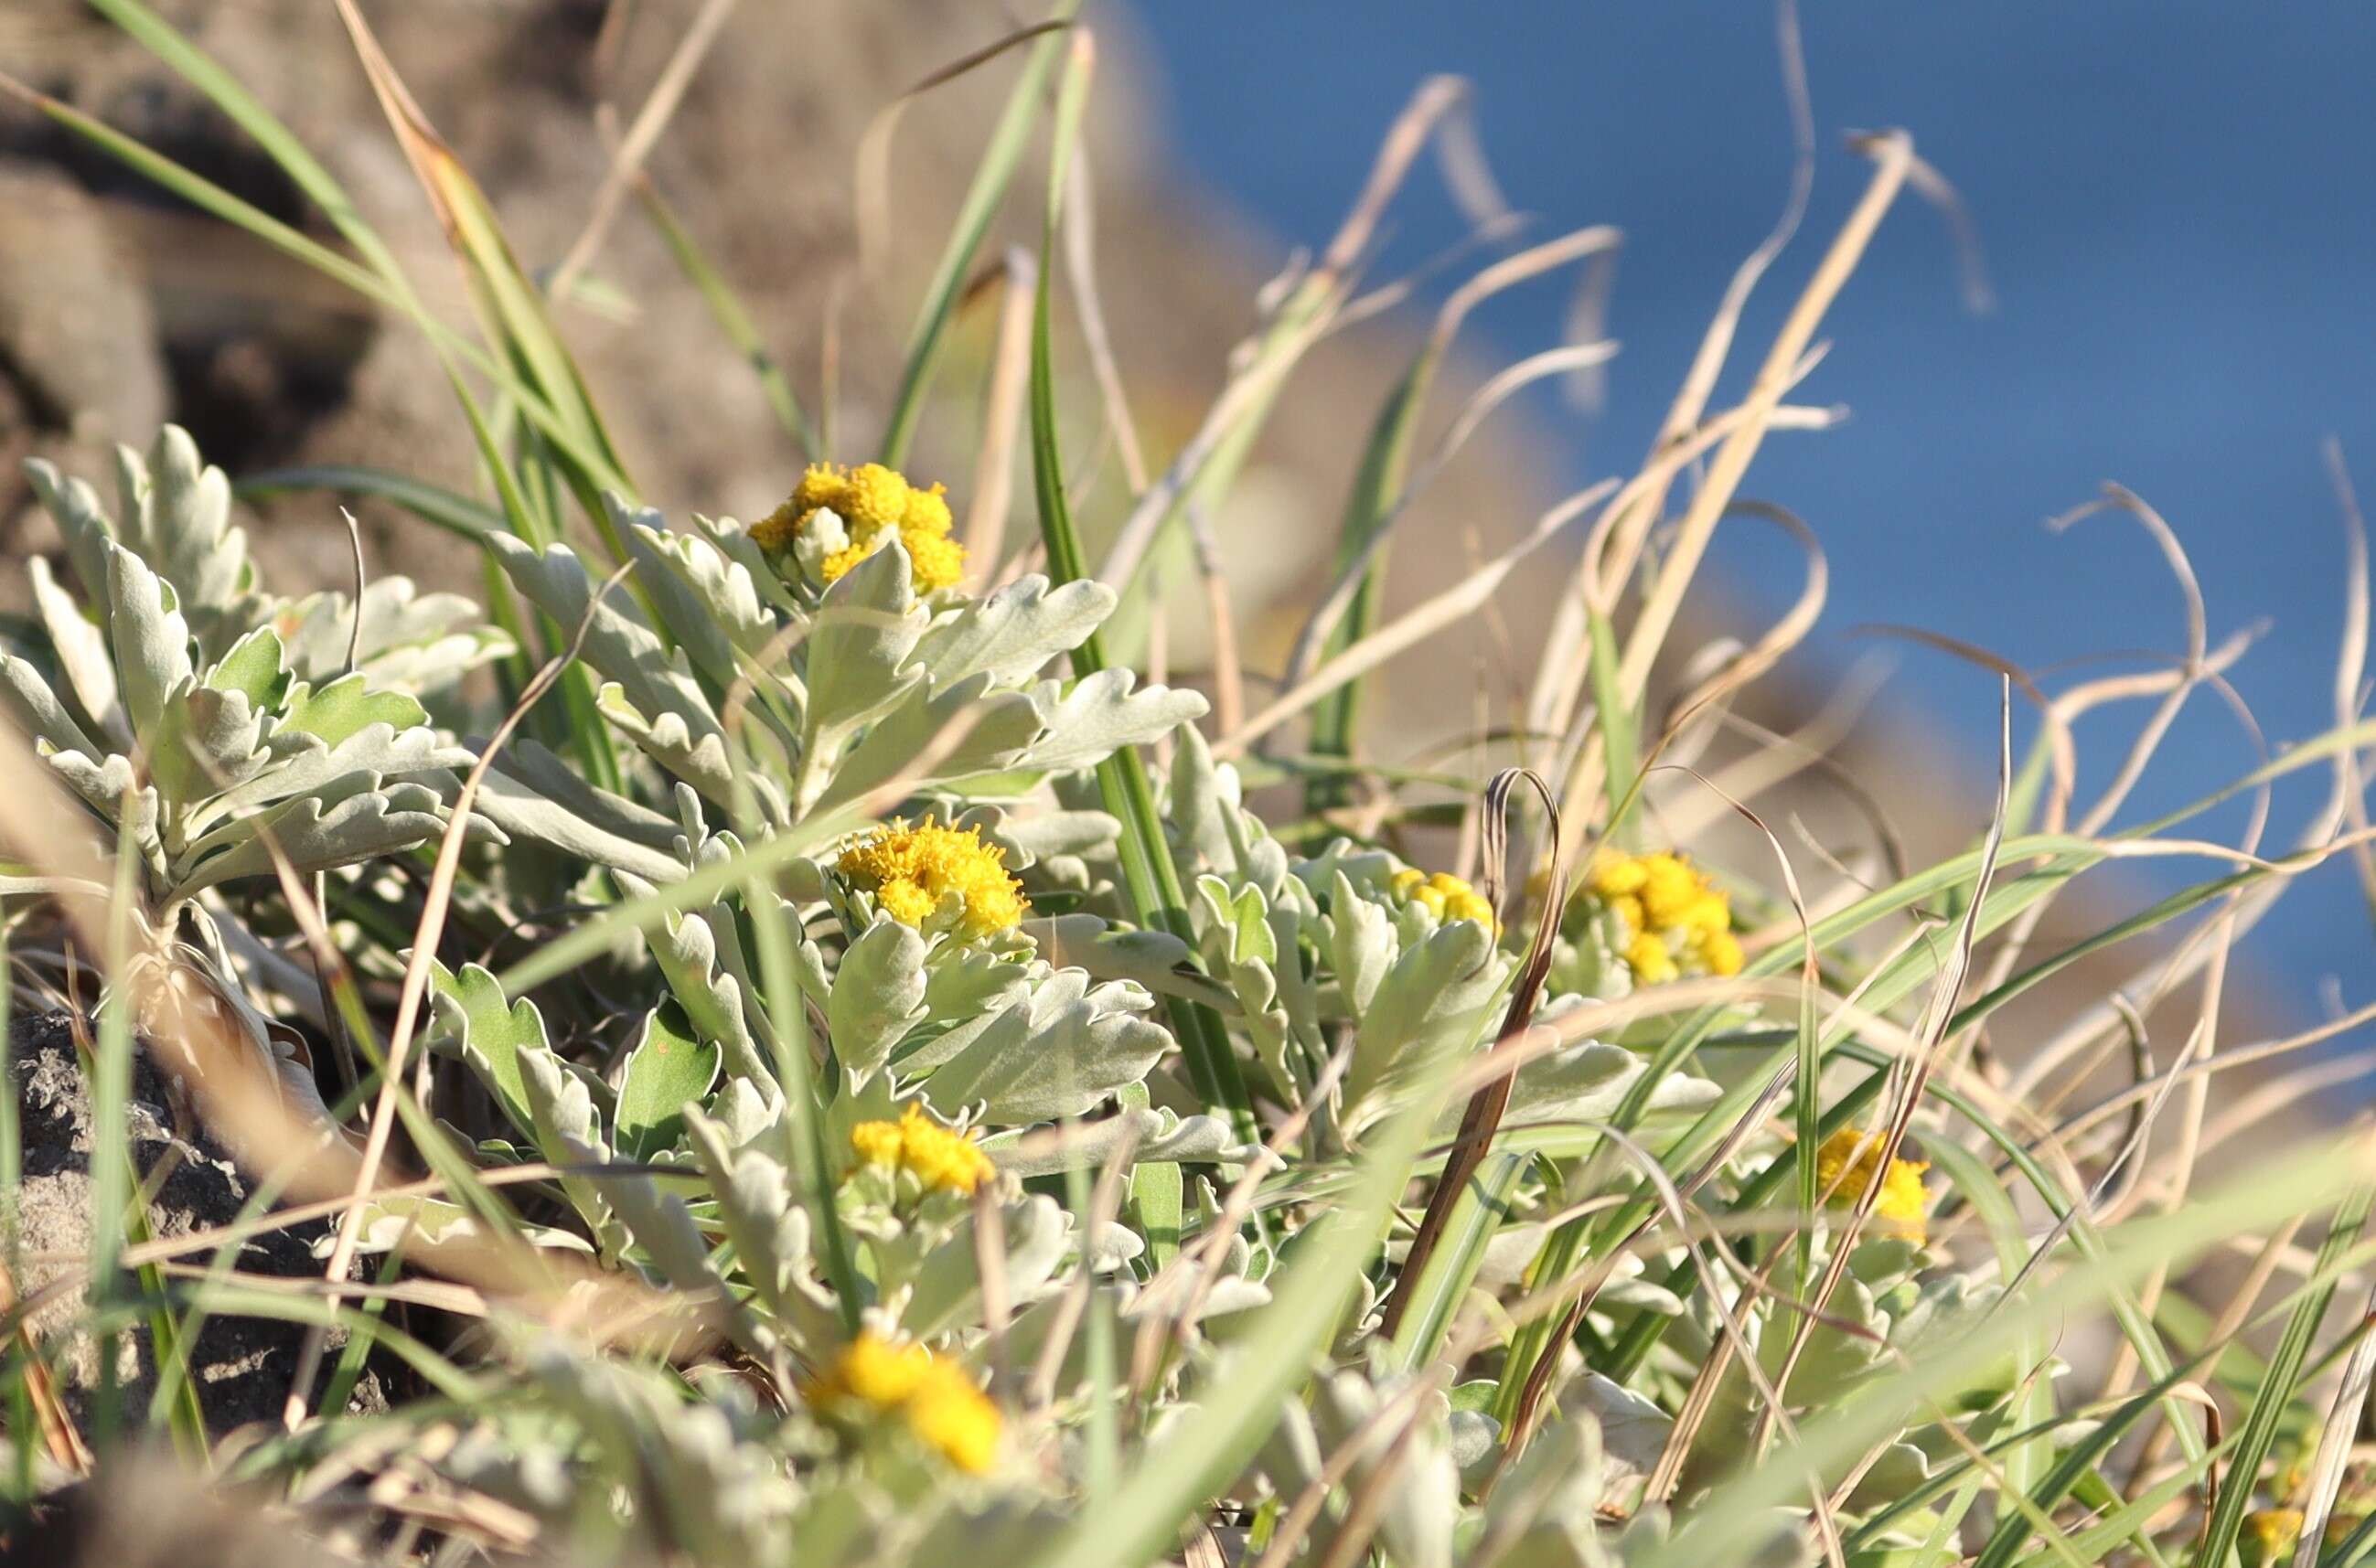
column 891, row 1083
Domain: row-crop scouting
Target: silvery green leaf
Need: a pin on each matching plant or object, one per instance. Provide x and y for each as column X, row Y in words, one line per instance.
column 667, row 1071
column 1196, row 816
column 944, row 1293
column 732, row 541
column 207, row 742
column 408, row 641
column 745, row 1111
column 568, row 1130
column 707, row 602
column 80, row 648
column 150, row 640
column 1208, row 815
column 1433, row 992
column 721, row 583
column 315, row 836
column 488, row 1032
column 1169, row 1296
column 1043, row 835
column 651, row 695
column 104, row 786
column 1633, row 1431
column 990, row 732
column 1056, row 1053
column 1587, row 1080
column 1110, row 1247
column 1156, row 959
column 1102, row 714
column 1543, row 1505
column 687, row 944
column 878, row 996
column 1196, row 1140
column 391, row 1220
column 769, row 1229
column 1091, row 1146
column 690, row 749
column 348, row 706
column 309, row 767
column 37, row 711
column 1010, row 633
column 1362, row 945
column 82, row 522
column 174, row 512
column 530, row 794
column 664, row 1227
column 1424, row 1499
column 866, row 625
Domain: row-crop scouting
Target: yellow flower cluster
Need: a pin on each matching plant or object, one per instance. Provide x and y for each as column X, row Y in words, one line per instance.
column 1846, row 1167
column 1445, row 897
column 943, row 1159
column 912, row 869
column 943, row 1408
column 2272, row 1533
column 1676, row 919
column 875, row 505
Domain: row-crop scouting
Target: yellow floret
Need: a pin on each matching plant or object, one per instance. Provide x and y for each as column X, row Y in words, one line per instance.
column 1846, row 1167
column 913, row 871
column 941, row 1405
column 873, row 1372
column 1648, row 956
column 1670, row 888
column 1671, row 917
column 1445, row 896
column 940, row 1157
column 2274, row 1531
column 876, row 1142
column 876, row 504
column 949, row 1414
column 1615, row 876
column 927, row 512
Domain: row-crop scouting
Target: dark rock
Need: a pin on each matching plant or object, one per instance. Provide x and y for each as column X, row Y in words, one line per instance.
column 242, row 1365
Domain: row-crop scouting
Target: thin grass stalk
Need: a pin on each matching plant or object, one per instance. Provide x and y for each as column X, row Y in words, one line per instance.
column 1001, row 154
column 1151, row 878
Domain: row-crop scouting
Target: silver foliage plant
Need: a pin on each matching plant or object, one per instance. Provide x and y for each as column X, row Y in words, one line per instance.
column 223, row 733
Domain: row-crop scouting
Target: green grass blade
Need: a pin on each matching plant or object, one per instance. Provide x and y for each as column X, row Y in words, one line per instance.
column 457, row 514
column 2280, row 1383
column 1001, row 156
column 1476, row 1215
column 1377, row 489
column 1148, row 873
column 735, row 322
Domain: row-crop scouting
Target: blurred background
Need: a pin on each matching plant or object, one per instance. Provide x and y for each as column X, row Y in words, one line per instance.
column 2176, row 204
column 2177, row 207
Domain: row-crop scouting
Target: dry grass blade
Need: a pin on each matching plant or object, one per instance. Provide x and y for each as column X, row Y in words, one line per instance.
column 984, row 534
column 1893, row 154
column 873, row 178
column 66, row 1448
column 1414, row 626
column 2335, row 1441
column 643, row 135
column 1482, row 1117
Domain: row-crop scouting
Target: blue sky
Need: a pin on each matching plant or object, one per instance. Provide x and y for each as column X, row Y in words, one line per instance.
column 2177, row 202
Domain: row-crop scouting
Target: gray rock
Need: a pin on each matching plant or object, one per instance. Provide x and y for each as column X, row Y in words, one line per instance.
column 243, row 1364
